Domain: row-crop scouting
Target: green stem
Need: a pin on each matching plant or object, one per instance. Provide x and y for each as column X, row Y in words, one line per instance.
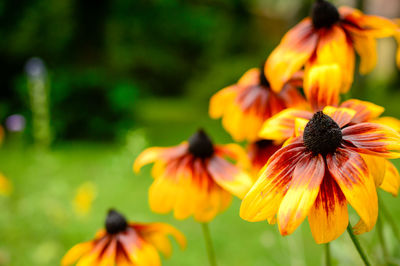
column 209, row 245
column 327, row 255
column 390, row 220
column 379, row 230
column 357, row 245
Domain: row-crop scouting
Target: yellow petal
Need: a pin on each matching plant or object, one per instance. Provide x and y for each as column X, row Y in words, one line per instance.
column 292, row 53
column 322, row 84
column 328, row 217
column 351, row 174
column 391, row 181
column 303, row 191
column 76, row 252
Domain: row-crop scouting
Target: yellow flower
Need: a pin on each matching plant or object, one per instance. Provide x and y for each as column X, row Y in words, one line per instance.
column 250, row 101
column 283, row 125
column 6, row 186
column 318, row 172
column 125, row 244
column 194, row 178
column 325, row 44
column 84, row 197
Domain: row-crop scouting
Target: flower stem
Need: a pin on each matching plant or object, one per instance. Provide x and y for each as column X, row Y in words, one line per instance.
column 209, row 245
column 327, row 255
column 379, row 230
column 357, row 245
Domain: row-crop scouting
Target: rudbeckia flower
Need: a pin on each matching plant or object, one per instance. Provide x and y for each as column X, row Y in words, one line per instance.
column 194, row 178
column 245, row 105
column 319, row 172
column 125, row 244
column 260, row 151
column 282, row 126
column 325, row 44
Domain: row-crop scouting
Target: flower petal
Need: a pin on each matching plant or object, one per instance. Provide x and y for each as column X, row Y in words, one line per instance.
column 322, row 85
column 76, row 252
column 220, row 100
column 365, row 46
column 351, row 174
column 376, row 167
column 235, row 152
column 328, row 217
column 391, row 181
column 365, row 111
column 158, row 153
column 229, row 177
column 342, row 116
column 281, row 126
column 264, row 198
column 391, row 122
column 157, row 234
column 109, row 254
column 374, row 139
column 334, row 47
column 292, row 53
column 303, row 190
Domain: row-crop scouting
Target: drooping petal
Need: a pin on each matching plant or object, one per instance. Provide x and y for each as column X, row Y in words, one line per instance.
column 365, row 111
column 291, row 95
column 235, row 152
column 264, row 198
column 334, row 48
column 303, row 190
column 92, row 258
column 328, row 218
column 157, row 234
column 365, row 46
column 342, row 116
column 374, row 139
column 322, row 85
column 109, row 254
column 158, row 153
column 137, row 249
column 376, row 167
column 391, row 122
column 76, row 252
column 229, row 177
column 358, row 23
column 220, row 101
column 391, row 181
column 281, row 126
column 292, row 53
column 351, row 174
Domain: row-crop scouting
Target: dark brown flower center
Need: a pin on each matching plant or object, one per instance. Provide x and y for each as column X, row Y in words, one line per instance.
column 322, row 135
column 200, row 145
column 263, row 143
column 263, row 79
column 115, row 222
column 324, row 14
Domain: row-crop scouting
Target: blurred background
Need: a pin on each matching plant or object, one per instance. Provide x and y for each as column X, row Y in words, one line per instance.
column 87, row 85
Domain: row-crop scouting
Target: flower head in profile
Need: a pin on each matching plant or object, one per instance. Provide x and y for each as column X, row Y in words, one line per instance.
column 245, row 105
column 319, row 172
column 325, row 44
column 260, row 151
column 194, row 178
column 283, row 125
column 124, row 243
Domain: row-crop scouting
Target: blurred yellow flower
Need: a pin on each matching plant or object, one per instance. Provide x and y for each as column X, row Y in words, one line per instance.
column 127, row 244
column 6, row 187
column 194, row 178
column 84, row 197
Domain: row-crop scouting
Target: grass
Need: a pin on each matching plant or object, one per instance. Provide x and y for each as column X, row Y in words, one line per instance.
column 38, row 223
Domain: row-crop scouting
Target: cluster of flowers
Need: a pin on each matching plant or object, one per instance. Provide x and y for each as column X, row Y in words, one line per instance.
column 308, row 156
